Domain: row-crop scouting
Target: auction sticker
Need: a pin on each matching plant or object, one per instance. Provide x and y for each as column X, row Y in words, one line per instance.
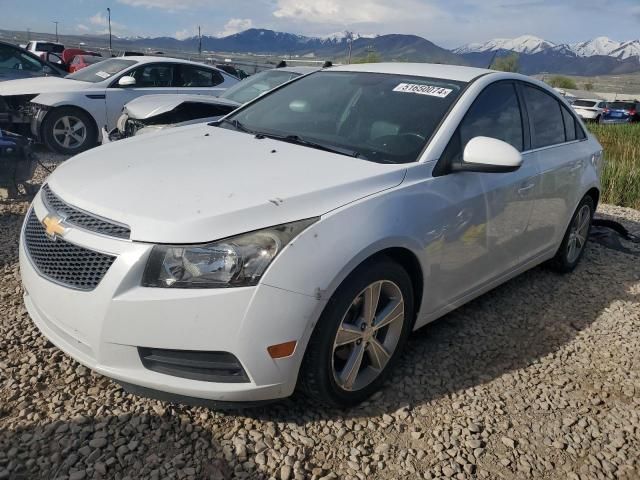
column 102, row 74
column 430, row 90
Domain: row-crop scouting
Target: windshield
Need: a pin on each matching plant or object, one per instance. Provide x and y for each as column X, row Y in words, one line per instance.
column 99, row 72
column 49, row 47
column 257, row 84
column 380, row 117
column 621, row 105
column 584, row 103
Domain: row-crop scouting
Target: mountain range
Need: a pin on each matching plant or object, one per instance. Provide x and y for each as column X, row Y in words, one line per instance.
column 600, row 56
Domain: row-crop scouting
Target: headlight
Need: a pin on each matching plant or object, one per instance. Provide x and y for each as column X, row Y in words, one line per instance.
column 232, row 262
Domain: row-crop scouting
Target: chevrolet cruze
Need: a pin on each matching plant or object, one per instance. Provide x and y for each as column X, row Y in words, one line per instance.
column 297, row 242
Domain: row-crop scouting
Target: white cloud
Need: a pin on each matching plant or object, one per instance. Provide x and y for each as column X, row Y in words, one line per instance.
column 236, row 25
column 183, row 34
column 101, row 21
column 82, row 27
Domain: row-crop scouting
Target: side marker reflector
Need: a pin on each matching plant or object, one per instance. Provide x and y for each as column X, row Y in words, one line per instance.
column 282, row 350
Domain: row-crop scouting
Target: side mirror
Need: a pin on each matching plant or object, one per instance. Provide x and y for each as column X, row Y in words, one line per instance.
column 127, row 81
column 485, row 154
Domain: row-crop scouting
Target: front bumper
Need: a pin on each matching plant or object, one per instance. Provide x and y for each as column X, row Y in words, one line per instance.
column 103, row 328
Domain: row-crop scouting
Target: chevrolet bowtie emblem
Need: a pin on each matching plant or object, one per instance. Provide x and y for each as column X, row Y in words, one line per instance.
column 53, row 226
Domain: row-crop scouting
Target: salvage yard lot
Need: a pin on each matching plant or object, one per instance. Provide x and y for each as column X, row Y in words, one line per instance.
column 537, row 379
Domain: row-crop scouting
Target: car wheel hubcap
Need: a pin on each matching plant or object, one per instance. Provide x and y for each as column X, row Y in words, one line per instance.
column 368, row 335
column 578, row 233
column 69, row 132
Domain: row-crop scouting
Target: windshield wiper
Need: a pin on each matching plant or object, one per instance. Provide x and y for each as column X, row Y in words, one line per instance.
column 237, row 125
column 312, row 144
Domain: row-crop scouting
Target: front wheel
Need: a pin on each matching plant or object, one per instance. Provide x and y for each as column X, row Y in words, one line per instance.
column 69, row 130
column 575, row 238
column 360, row 335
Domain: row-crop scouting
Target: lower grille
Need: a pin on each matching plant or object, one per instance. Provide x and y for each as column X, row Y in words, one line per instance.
column 222, row 367
column 63, row 262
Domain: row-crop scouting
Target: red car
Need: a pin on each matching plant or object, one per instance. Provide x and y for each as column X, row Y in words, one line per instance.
column 81, row 61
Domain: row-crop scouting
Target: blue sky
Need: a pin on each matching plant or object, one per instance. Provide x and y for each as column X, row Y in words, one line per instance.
column 449, row 23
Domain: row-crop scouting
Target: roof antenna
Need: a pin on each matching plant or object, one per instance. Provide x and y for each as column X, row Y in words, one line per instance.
column 282, row 64
column 327, row 64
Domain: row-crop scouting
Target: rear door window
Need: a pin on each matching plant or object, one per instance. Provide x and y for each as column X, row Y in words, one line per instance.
column 570, row 125
column 545, row 118
column 191, row 76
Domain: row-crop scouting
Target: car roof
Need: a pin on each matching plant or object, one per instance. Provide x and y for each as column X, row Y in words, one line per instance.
column 589, row 100
column 300, row 70
column 152, row 59
column 449, row 72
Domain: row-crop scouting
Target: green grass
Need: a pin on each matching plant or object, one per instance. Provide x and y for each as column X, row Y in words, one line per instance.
column 621, row 173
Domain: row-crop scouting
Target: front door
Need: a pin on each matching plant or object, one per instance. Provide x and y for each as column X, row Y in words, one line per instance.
column 151, row 78
column 481, row 217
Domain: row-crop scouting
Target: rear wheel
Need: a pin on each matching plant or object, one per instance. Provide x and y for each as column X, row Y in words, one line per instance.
column 360, row 335
column 69, row 130
column 575, row 238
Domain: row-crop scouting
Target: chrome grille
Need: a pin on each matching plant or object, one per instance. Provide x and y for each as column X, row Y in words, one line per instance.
column 64, row 262
column 81, row 219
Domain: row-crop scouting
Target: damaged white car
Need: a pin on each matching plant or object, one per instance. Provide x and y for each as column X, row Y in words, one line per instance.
column 156, row 112
column 68, row 114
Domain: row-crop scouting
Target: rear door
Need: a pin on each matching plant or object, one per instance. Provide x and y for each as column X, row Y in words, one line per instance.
column 192, row 79
column 559, row 149
column 151, row 78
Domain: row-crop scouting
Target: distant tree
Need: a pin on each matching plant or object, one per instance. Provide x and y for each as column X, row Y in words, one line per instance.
column 559, row 81
column 370, row 57
column 510, row 63
column 588, row 86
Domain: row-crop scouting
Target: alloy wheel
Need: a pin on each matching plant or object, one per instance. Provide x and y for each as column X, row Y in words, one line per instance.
column 69, row 132
column 368, row 335
column 578, row 233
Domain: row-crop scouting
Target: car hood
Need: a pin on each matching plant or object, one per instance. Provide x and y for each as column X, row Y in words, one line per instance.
column 201, row 183
column 151, row 105
column 32, row 86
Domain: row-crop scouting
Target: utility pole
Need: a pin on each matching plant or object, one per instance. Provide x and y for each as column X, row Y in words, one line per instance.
column 56, row 30
column 199, row 42
column 109, row 14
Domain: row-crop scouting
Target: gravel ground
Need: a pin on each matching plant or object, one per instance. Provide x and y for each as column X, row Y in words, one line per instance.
column 538, row 379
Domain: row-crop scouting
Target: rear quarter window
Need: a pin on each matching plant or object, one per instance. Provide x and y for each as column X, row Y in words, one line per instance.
column 545, row 118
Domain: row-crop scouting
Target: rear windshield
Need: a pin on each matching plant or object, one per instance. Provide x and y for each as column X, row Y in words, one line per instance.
column 621, row 105
column 373, row 116
column 101, row 71
column 49, row 47
column 584, row 103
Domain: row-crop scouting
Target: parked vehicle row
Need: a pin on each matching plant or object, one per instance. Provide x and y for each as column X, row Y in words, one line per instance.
column 600, row 111
column 299, row 240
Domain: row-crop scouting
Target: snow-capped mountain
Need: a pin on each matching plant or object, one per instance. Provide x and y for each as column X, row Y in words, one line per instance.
column 528, row 44
column 597, row 46
column 627, row 50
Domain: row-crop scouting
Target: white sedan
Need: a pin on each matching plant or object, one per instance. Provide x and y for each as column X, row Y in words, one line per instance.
column 298, row 242
column 68, row 114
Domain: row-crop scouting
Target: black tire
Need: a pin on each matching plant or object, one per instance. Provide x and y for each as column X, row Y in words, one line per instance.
column 563, row 262
column 89, row 132
column 317, row 372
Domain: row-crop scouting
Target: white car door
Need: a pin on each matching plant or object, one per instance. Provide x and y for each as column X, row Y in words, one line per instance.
column 192, row 79
column 482, row 216
column 558, row 149
column 151, row 78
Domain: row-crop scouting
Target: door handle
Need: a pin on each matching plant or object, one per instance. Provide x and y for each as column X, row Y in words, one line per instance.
column 526, row 188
